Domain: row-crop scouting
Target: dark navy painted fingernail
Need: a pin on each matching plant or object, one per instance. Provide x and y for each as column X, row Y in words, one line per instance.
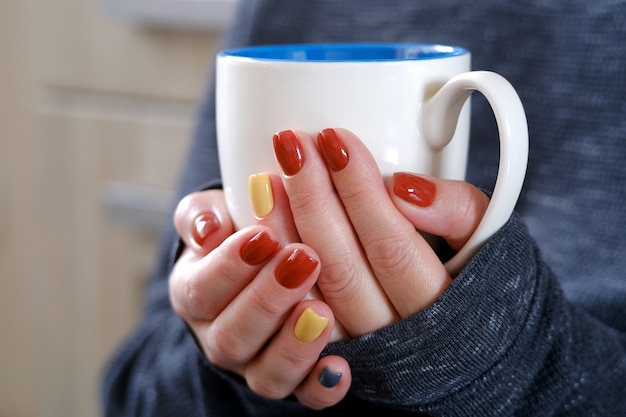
column 329, row 378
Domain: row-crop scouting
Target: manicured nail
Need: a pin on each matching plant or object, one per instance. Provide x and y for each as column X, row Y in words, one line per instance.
column 309, row 326
column 333, row 149
column 259, row 248
column 329, row 378
column 295, row 268
column 288, row 152
column 414, row 189
column 261, row 195
column 204, row 225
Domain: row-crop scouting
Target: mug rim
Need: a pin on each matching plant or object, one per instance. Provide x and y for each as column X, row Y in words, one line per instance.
column 346, row 52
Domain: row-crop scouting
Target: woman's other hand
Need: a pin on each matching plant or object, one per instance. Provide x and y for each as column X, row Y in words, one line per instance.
column 243, row 296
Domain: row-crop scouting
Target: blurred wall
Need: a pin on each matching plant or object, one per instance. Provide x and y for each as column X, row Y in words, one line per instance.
column 95, row 117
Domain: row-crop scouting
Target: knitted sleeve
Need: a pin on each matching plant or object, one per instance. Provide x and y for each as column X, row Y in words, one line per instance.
column 502, row 340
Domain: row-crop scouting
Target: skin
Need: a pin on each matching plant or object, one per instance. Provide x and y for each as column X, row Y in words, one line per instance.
column 369, row 255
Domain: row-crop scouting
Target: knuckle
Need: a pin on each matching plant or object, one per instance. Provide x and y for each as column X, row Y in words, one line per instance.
column 267, row 387
column 178, row 292
column 266, row 304
column 185, row 290
column 279, row 383
column 296, row 359
column 307, row 203
column 389, row 255
column 340, row 280
column 195, row 303
column 193, row 286
column 357, row 194
column 225, row 348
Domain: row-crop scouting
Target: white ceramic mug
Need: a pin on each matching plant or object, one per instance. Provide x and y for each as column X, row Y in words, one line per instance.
column 409, row 104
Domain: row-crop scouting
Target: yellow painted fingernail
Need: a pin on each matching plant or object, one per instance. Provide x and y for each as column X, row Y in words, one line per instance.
column 261, row 195
column 309, row 326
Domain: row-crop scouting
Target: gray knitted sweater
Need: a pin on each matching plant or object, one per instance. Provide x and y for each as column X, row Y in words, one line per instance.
column 535, row 325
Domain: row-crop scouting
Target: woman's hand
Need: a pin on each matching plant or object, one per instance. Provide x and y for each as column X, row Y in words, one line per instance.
column 375, row 267
column 243, row 296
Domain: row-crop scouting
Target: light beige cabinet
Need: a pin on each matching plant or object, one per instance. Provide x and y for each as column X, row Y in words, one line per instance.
column 95, row 118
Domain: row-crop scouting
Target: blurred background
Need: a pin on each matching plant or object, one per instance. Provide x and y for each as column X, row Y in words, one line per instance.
column 97, row 103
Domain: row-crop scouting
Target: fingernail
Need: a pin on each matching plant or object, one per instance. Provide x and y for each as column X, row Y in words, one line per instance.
column 288, row 152
column 261, row 195
column 294, row 269
column 329, row 378
column 414, row 189
column 259, row 248
column 204, row 225
column 309, row 326
column 333, row 149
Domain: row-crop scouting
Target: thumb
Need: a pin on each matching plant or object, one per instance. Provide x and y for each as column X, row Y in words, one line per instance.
column 202, row 220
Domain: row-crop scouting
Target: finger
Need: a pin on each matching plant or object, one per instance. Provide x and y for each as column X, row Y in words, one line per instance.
column 292, row 353
column 326, row 384
column 446, row 208
column 271, row 208
column 202, row 220
column 201, row 287
column 346, row 280
column 407, row 268
column 255, row 315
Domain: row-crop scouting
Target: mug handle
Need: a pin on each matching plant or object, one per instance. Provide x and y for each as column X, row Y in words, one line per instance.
column 440, row 114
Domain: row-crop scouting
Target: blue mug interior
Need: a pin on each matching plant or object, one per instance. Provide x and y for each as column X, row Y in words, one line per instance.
column 347, row 52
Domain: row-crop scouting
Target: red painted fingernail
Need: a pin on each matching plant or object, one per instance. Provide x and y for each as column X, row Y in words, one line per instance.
column 295, row 268
column 259, row 248
column 205, row 224
column 288, row 152
column 414, row 189
column 333, row 149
